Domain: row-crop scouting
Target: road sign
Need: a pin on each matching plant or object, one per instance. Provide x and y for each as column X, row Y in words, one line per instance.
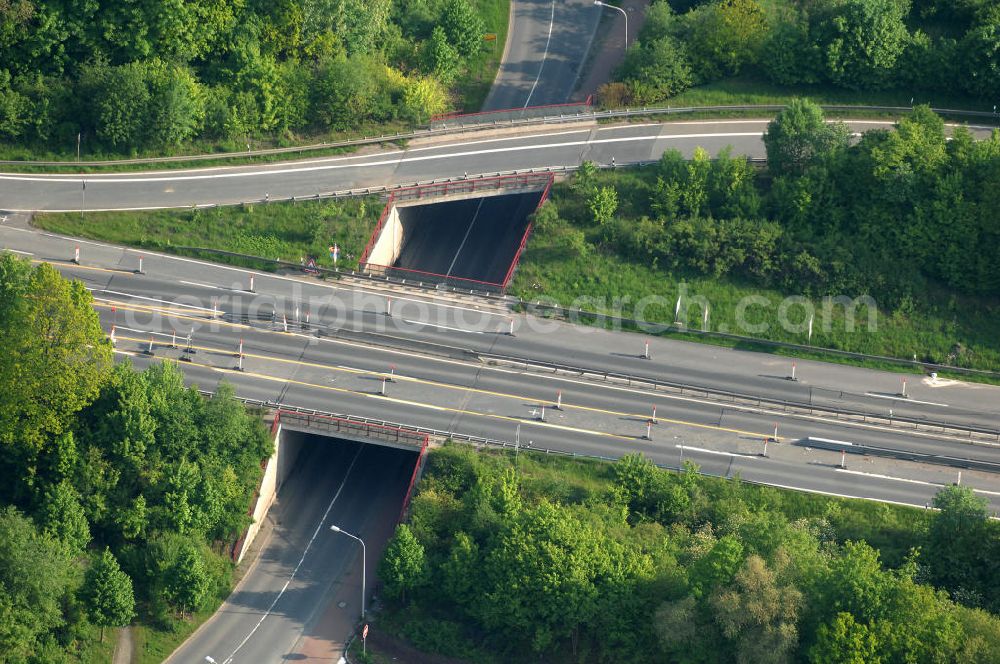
column 364, row 632
column 490, row 36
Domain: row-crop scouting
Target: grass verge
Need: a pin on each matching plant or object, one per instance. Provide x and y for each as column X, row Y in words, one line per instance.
column 750, row 89
column 283, row 231
column 566, row 261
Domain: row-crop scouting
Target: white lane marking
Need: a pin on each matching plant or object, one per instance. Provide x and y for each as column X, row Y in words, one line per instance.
column 545, row 54
column 291, row 577
column 198, row 284
column 707, row 451
column 432, row 301
column 15, row 251
column 907, row 479
column 441, row 327
column 904, row 399
column 149, row 332
column 384, row 162
column 148, row 299
column 841, row 495
column 829, row 440
column 465, row 237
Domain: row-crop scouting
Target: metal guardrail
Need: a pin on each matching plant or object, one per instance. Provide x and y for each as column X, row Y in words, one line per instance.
column 334, row 425
column 458, row 126
column 542, row 308
column 971, row 433
column 922, row 457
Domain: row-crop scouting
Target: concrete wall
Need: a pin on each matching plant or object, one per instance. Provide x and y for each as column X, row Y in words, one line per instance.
column 389, row 241
column 276, row 471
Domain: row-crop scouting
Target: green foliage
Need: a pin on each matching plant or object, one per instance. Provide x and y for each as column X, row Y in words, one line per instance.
column 63, row 517
column 724, row 36
column 187, row 582
column 464, row 27
column 958, row 547
column 744, row 574
column 55, row 359
column 603, row 204
column 402, row 567
column 38, row 580
column 158, row 76
column 845, row 44
column 859, row 229
column 800, row 137
column 145, row 467
column 107, row 592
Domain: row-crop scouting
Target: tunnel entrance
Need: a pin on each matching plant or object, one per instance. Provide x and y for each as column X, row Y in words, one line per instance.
column 386, row 459
column 454, row 234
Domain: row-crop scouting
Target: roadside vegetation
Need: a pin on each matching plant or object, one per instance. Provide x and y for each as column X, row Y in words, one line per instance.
column 207, row 75
column 571, row 560
column 883, row 51
column 289, row 232
column 123, row 492
column 904, row 220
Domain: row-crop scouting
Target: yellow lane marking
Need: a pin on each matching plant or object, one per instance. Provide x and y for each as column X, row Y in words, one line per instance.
column 417, row 404
column 432, row 383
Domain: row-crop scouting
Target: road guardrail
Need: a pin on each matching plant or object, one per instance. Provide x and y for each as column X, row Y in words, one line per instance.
column 465, row 124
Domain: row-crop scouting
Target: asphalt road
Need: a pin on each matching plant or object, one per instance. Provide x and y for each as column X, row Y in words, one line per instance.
column 453, row 390
column 548, row 45
column 456, row 156
column 359, row 488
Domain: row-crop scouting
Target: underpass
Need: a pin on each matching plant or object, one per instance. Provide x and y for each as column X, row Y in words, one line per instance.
column 301, row 596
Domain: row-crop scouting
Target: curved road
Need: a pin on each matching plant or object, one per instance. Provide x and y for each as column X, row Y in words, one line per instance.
column 547, row 45
column 457, row 156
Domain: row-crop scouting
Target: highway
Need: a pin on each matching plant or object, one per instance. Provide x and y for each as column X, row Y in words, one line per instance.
column 458, row 155
column 547, row 45
column 440, row 351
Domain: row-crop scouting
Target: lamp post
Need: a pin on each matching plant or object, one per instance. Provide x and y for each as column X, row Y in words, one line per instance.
column 598, row 3
column 364, row 572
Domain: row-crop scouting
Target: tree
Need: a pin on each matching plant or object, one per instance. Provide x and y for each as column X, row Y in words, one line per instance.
column 656, row 70
column 845, row 641
column 187, row 581
column 54, row 361
column 440, row 57
column 464, row 26
column 723, row 36
column 37, row 579
column 63, row 517
column 108, row 593
column 119, row 103
column 553, row 560
column 603, row 203
column 980, row 54
column 423, row 97
column 866, row 37
column 758, row 614
column 958, row 540
column 800, row 136
column 402, row 565
column 177, row 105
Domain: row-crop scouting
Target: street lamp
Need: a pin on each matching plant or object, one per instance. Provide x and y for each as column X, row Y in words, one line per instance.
column 364, row 572
column 598, row 3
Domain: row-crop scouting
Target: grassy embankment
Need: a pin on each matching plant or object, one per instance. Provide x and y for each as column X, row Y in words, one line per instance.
column 567, row 259
column 284, row 231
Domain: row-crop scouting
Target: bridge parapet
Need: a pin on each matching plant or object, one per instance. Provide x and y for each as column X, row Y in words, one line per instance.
column 362, row 432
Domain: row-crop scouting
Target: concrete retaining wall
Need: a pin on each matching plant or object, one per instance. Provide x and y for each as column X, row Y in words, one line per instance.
column 276, row 471
column 389, row 242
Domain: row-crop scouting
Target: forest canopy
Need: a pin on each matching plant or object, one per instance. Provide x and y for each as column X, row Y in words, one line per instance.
column 157, row 73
